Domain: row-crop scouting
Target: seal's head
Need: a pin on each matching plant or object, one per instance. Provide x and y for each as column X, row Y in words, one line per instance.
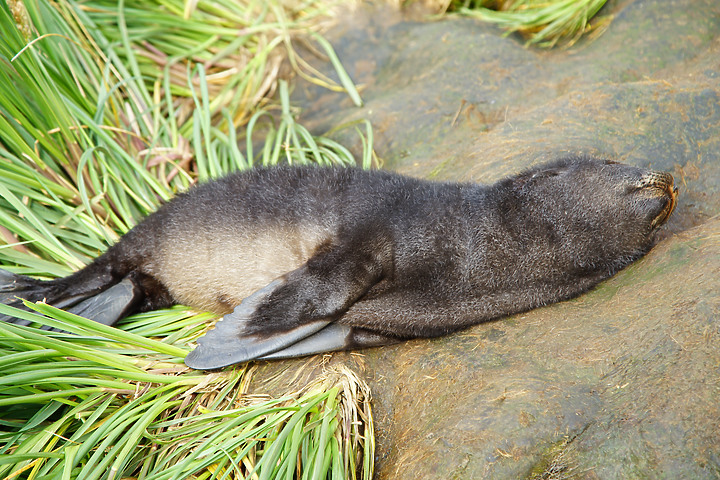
column 595, row 214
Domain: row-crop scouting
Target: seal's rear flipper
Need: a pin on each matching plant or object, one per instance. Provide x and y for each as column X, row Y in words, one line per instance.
column 225, row 346
column 106, row 307
column 111, row 305
column 332, row 338
column 14, row 287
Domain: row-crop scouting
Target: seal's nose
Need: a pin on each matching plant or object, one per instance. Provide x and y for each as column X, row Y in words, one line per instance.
column 664, row 184
column 660, row 180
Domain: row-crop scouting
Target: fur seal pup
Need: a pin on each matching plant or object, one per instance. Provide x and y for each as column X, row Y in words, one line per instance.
column 305, row 260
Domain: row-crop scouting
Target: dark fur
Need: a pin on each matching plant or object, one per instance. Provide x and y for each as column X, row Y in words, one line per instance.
column 392, row 255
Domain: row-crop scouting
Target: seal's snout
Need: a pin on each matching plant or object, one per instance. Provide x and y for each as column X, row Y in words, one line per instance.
column 664, row 184
column 660, row 180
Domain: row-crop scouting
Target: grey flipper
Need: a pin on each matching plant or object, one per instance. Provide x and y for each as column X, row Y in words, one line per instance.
column 228, row 343
column 11, row 287
column 224, row 346
column 15, row 287
column 8, row 283
column 111, row 305
column 106, row 307
column 332, row 338
column 295, row 306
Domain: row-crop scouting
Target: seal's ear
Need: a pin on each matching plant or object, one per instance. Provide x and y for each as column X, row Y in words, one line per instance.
column 524, row 180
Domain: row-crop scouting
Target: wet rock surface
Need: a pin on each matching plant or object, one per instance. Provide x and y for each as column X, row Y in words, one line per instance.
column 623, row 382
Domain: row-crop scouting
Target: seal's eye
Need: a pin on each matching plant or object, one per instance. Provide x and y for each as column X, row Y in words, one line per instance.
column 546, row 174
column 632, row 188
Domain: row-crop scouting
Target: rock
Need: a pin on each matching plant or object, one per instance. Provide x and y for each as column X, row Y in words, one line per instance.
column 622, row 382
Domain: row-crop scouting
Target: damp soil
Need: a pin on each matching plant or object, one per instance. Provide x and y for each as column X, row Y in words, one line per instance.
column 623, row 382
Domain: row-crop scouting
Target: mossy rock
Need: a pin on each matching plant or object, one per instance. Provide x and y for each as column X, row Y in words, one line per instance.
column 622, row 382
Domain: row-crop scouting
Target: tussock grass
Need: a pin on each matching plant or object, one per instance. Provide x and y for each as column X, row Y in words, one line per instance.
column 93, row 138
column 104, row 403
column 90, row 144
column 240, row 44
column 544, row 23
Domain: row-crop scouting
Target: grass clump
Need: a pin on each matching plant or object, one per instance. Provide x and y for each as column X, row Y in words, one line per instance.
column 544, row 23
column 240, row 44
column 106, row 403
column 93, row 138
column 89, row 144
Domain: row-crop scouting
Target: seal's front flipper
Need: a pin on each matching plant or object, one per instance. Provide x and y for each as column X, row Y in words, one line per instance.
column 230, row 342
column 226, row 345
column 295, row 306
column 332, row 338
